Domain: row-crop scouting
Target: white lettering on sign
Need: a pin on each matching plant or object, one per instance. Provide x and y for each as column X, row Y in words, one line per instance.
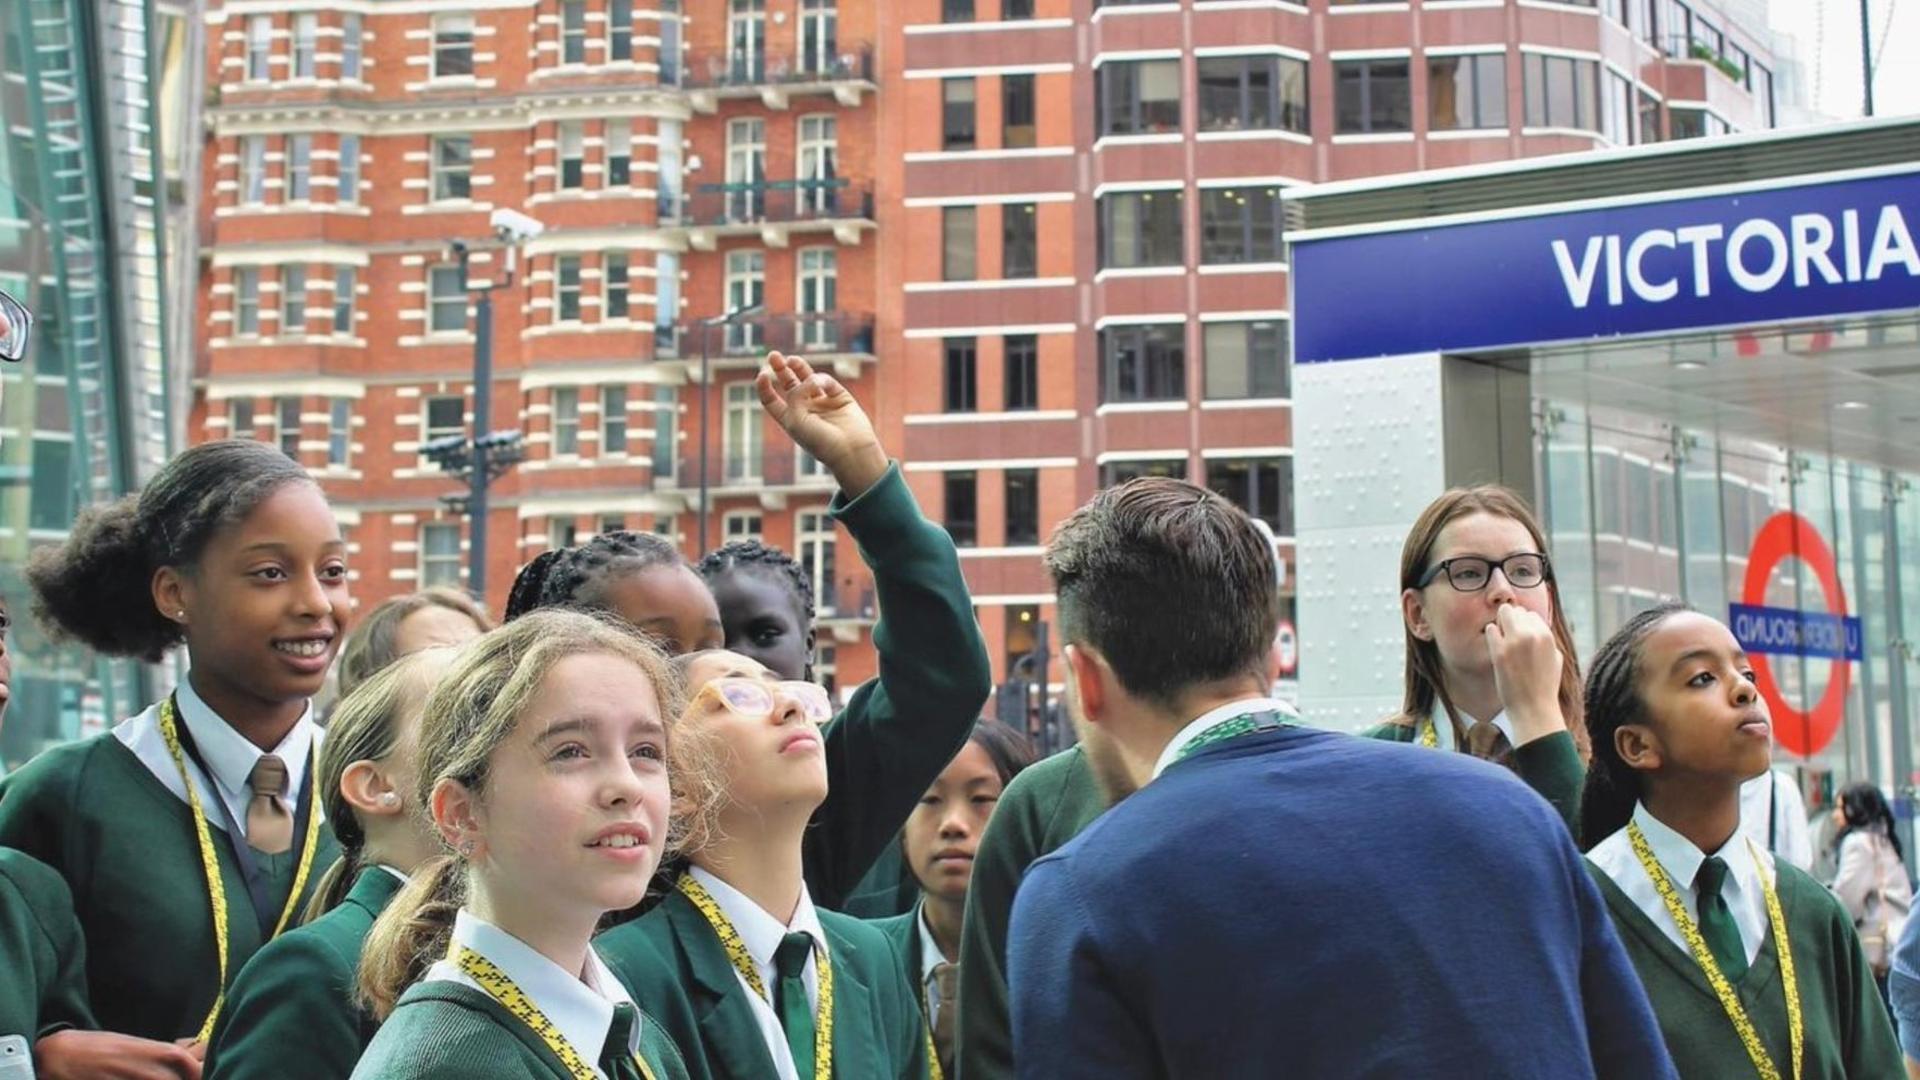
column 1757, row 256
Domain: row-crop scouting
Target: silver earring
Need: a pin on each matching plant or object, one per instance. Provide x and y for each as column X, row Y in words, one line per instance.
column 466, row 849
column 389, row 799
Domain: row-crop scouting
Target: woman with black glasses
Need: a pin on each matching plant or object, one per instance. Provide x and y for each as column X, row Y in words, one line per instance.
column 1491, row 669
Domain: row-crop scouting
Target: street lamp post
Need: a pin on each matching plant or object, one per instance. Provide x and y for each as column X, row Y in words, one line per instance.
column 706, row 390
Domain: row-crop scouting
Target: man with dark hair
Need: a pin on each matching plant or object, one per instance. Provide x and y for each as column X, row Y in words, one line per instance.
column 1271, row 900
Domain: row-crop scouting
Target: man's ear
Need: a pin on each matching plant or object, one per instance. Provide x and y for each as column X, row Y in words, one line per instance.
column 1093, row 680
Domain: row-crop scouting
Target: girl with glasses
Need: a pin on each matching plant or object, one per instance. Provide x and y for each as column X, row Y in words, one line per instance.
column 1491, row 668
column 748, row 976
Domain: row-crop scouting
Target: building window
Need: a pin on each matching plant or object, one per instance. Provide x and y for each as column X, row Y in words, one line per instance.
column 961, row 500
column 957, row 233
column 813, row 534
column 439, row 555
column 562, row 531
column 1139, row 97
column 1016, row 9
column 1016, row 111
column 1372, row 96
column 573, row 31
column 666, row 299
column 452, row 167
column 747, row 35
column 259, row 48
column 741, row 525
column 1693, row 124
column 746, row 284
column 1466, row 92
column 956, row 11
column 1616, row 109
column 818, row 288
column 959, row 375
column 612, row 523
column 566, row 288
column 351, row 46
column 293, row 300
column 742, row 432
column 344, row 284
column 613, row 275
column 339, row 431
column 1019, row 240
column 1240, row 225
column 819, row 139
column 299, row 168
column 443, row 418
column 573, row 156
column 347, row 191
column 1649, row 120
column 1246, row 93
column 452, row 46
column 620, row 29
column 746, row 169
column 619, row 135
column 253, row 169
column 246, row 301
column 1119, row 472
column 286, row 425
column 1246, row 359
column 1022, row 372
column 819, row 36
column 1561, row 92
column 447, row 299
column 240, row 418
column 566, row 421
column 956, row 114
column 306, row 28
column 613, row 420
column 1023, row 507
column 1143, row 363
column 1140, row 228
column 1263, row 487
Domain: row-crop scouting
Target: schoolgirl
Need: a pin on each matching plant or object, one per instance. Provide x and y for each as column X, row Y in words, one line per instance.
column 750, row 977
column 543, row 762
column 898, row 731
column 1491, row 668
column 294, row 1011
column 405, row 625
column 190, row 834
column 1748, row 962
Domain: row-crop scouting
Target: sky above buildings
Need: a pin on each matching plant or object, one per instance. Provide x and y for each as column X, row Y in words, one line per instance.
column 1827, row 33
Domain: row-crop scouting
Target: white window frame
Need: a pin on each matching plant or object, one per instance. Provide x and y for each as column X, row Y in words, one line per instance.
column 306, row 45
column 445, row 45
column 816, row 297
column 345, row 282
column 434, row 565
column 734, row 525
column 293, row 291
column 246, row 298
column 441, row 174
column 347, row 172
column 816, row 153
column 614, row 430
column 253, row 170
column 814, row 535
column 299, row 180
column 746, row 286
column 566, row 421
column 572, row 145
column 339, row 432
column 353, row 57
column 437, row 302
column 744, row 445
column 562, row 290
column 260, row 48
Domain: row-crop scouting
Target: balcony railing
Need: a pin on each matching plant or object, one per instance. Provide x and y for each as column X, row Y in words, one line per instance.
column 767, row 467
column 778, row 202
column 742, row 69
column 828, row 332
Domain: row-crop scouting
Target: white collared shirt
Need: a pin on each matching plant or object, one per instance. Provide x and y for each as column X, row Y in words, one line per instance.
column 1443, row 728
column 1213, row 718
column 580, row 1007
column 761, row 933
column 1744, row 889
column 227, row 753
column 930, row 957
column 1773, row 795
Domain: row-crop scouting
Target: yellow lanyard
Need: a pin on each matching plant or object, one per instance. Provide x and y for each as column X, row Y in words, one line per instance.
column 1430, row 734
column 1762, row 1061
column 501, row 987
column 743, row 963
column 933, row 1052
column 210, row 864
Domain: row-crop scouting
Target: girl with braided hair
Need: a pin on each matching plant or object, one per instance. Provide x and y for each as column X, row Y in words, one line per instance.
column 1744, row 957
column 637, row 576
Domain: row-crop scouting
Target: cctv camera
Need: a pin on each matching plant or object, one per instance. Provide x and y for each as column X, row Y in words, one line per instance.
column 514, row 226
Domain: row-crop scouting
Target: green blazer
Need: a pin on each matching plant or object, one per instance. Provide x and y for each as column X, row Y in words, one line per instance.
column 1550, row 766
column 291, row 1014
column 903, row 933
column 443, row 1030
column 900, row 730
column 675, row 967
column 126, row 847
column 42, row 954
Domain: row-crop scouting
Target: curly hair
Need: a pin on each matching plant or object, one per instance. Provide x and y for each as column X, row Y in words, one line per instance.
column 577, row 577
column 752, row 555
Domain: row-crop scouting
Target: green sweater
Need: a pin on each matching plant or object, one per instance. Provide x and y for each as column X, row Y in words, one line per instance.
column 126, row 846
column 1847, row 1033
column 673, row 964
column 1043, row 808
column 442, row 1030
column 291, row 1013
column 43, row 984
column 1551, row 766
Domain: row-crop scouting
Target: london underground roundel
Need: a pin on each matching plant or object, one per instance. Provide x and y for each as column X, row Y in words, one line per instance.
column 1766, row 632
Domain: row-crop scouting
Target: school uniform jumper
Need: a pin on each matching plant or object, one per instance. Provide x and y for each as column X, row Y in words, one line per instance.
column 1048, row 804
column 1276, row 904
column 673, row 962
column 901, row 729
column 110, row 815
column 43, row 975
column 448, row 1026
column 1550, row 765
column 919, row 954
column 1846, row 1030
column 291, row 1013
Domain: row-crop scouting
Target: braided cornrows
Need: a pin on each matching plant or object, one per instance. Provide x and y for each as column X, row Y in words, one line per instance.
column 754, row 555
column 1613, row 699
column 575, row 577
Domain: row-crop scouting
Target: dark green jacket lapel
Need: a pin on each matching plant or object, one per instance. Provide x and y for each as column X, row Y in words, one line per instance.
column 903, row 932
column 858, row 1041
column 729, row 1035
column 481, row 1002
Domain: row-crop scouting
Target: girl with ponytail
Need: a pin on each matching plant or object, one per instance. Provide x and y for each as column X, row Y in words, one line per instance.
column 294, row 1014
column 542, row 764
column 1745, row 958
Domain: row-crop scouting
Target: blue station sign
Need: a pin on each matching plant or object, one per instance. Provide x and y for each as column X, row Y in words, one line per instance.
column 1809, row 250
